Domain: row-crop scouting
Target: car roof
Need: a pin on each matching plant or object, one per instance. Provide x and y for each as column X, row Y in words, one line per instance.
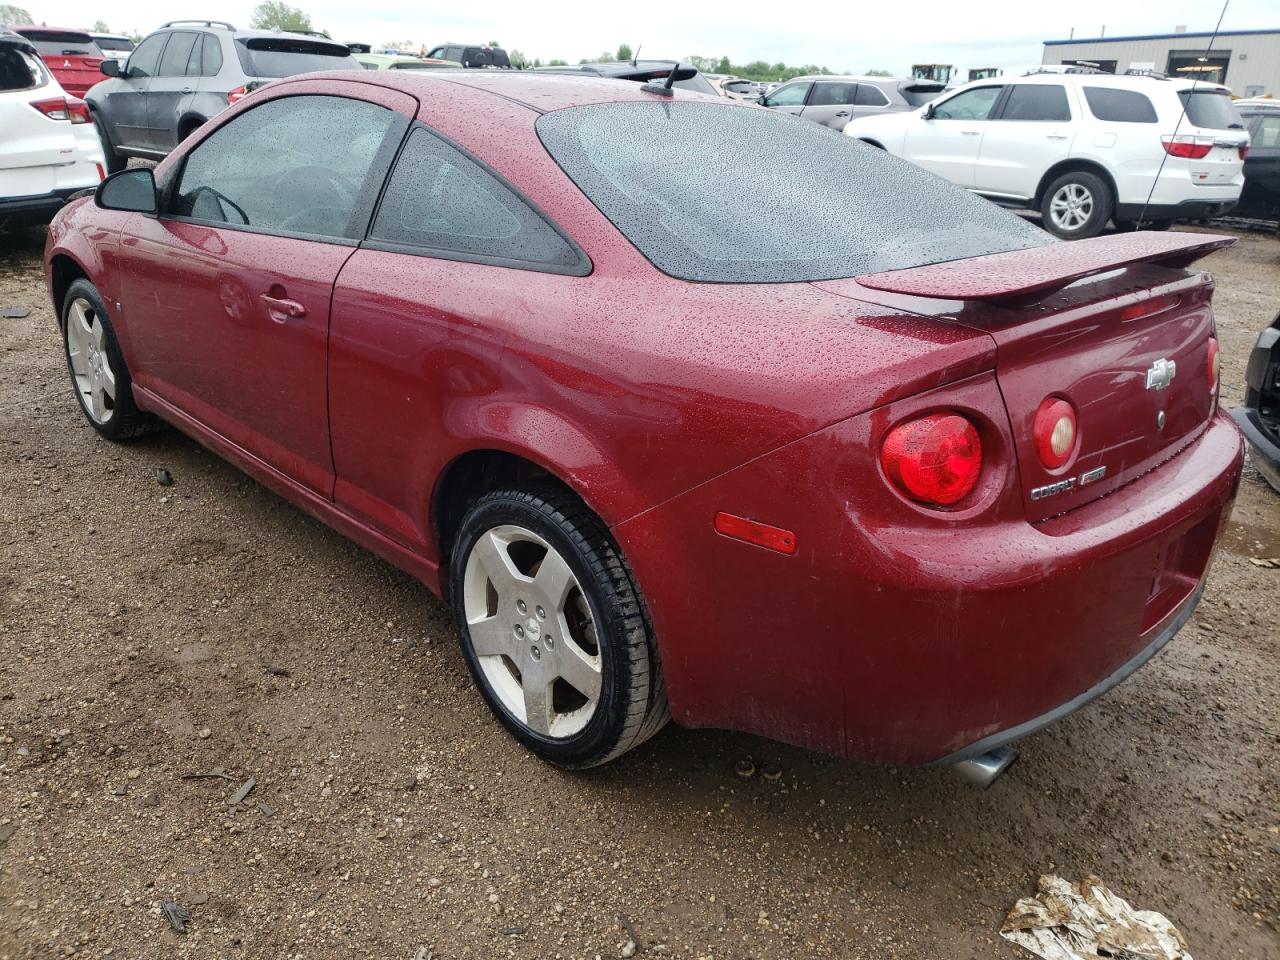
column 543, row 92
column 1123, row 81
column 36, row 28
column 862, row 78
column 111, row 36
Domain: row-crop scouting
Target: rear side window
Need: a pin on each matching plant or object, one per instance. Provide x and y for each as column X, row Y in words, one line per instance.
column 297, row 165
column 440, row 202
column 1119, row 106
column 286, row 57
column 18, row 70
column 1212, row 110
column 1034, row 101
column 843, row 209
column 210, row 56
column 869, row 95
column 177, row 54
column 829, row 94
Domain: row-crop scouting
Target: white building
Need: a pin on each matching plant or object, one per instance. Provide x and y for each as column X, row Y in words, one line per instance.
column 1248, row 61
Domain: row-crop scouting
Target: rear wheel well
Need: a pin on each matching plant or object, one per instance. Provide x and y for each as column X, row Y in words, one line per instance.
column 872, row 143
column 189, row 125
column 467, row 479
column 1073, row 166
column 63, row 272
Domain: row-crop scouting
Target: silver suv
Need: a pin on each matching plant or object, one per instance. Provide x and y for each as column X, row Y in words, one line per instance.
column 188, row 71
column 834, row 101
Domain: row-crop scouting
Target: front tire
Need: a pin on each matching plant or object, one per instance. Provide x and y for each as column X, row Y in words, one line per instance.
column 553, row 629
column 1076, row 205
column 99, row 376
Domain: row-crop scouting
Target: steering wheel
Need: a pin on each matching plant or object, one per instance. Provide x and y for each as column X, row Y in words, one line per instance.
column 309, row 175
column 222, row 200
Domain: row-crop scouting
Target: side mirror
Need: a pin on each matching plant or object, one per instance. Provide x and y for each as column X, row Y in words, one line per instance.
column 929, row 110
column 109, row 68
column 131, row 190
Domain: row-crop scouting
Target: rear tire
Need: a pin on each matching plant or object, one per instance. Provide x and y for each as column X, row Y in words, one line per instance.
column 552, row 627
column 1076, row 205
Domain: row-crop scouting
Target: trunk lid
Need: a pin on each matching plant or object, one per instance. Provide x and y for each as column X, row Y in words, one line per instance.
column 1113, row 325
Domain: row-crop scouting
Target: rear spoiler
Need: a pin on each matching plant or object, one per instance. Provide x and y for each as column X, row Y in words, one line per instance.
column 1024, row 276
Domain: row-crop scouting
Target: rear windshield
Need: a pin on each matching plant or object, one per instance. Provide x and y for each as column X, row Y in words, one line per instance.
column 18, row 70
column 1211, row 109
column 285, row 57
column 53, row 44
column 670, row 176
column 919, row 94
column 110, row 43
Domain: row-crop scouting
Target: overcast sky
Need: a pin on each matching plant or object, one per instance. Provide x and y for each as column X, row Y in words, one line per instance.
column 842, row 36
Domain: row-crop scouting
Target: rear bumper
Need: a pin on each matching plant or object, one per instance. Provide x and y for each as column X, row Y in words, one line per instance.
column 27, row 211
column 891, row 639
column 1187, row 210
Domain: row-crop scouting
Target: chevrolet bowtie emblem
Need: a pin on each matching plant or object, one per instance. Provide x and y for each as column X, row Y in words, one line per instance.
column 1161, row 373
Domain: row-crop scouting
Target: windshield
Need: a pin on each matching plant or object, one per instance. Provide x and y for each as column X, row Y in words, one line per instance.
column 284, row 57
column 1211, row 109
column 920, row 94
column 670, row 175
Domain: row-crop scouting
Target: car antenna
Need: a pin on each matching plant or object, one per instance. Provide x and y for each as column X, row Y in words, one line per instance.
column 636, row 56
column 663, row 89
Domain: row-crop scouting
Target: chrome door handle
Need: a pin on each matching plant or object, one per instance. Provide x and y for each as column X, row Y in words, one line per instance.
column 843, row 113
column 971, row 133
column 186, row 90
column 282, row 310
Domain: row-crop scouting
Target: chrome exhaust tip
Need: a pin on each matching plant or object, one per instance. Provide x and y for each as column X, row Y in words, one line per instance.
column 986, row 768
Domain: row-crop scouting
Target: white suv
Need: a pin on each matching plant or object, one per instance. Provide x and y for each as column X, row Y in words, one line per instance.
column 49, row 146
column 1080, row 148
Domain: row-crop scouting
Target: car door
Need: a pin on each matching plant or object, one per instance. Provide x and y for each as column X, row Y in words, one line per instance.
column 420, row 318
column 1031, row 131
column 790, row 97
column 1261, row 194
column 170, row 87
column 227, row 291
column 830, row 102
column 946, row 139
column 124, row 104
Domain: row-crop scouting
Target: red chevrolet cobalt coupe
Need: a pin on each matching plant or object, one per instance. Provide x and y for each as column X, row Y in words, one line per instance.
column 843, row 455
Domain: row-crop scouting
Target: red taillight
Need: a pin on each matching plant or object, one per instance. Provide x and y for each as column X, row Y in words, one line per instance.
column 1054, row 432
column 1244, row 151
column 238, row 94
column 1215, row 364
column 752, row 531
column 935, row 459
column 56, row 108
column 78, row 111
column 102, row 174
column 1144, row 308
column 1188, row 149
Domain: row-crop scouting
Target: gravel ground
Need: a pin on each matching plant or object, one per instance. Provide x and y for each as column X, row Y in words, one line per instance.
column 151, row 632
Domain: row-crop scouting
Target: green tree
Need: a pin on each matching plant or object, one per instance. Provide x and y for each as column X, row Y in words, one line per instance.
column 557, row 63
column 100, row 26
column 12, row 14
column 624, row 51
column 877, row 73
column 272, row 14
column 724, row 66
column 494, row 43
column 518, row 60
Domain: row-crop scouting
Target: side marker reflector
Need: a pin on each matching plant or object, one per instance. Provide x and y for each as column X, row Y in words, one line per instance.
column 752, row 531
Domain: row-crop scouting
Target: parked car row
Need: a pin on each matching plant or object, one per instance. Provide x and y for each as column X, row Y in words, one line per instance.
column 1082, row 149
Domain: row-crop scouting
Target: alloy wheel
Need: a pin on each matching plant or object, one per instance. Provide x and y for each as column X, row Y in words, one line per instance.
column 532, row 631
column 90, row 363
column 1071, row 206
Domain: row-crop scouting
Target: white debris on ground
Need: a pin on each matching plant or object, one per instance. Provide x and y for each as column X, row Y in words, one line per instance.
column 1068, row 921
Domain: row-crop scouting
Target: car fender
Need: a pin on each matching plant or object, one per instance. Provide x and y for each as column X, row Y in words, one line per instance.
column 75, row 248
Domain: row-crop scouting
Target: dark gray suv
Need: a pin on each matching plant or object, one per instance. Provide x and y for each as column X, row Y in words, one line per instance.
column 834, row 100
column 189, row 70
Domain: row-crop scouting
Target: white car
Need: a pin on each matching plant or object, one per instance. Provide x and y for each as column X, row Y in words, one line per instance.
column 49, row 146
column 114, row 46
column 1080, row 148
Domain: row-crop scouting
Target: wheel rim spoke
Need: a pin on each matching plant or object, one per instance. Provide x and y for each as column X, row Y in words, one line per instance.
column 492, row 637
column 537, row 705
column 492, row 553
column 554, row 579
column 578, row 669
column 97, row 400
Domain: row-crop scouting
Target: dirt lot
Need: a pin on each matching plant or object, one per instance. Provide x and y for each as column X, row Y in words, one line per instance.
column 148, row 632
